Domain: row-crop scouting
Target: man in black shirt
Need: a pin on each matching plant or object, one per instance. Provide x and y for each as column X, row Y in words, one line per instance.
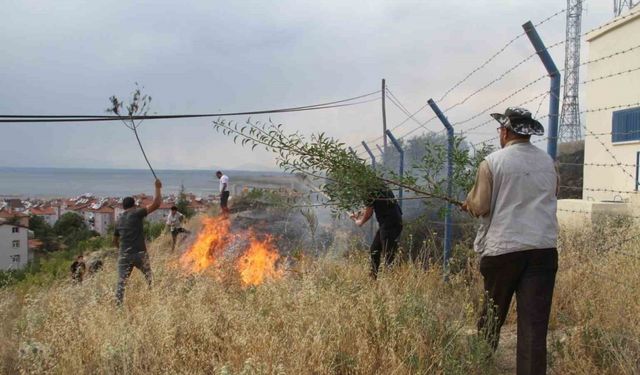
column 389, row 216
column 129, row 238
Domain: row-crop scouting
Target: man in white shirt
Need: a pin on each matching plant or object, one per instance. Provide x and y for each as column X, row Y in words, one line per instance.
column 515, row 198
column 224, row 192
column 174, row 223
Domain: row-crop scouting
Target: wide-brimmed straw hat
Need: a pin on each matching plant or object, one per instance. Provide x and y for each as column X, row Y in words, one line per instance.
column 519, row 121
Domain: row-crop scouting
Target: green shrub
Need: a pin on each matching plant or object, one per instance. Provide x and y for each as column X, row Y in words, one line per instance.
column 152, row 230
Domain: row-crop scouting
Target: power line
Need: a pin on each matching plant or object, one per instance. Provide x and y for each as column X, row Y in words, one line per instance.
column 420, row 125
column 93, row 118
column 390, row 95
column 395, row 101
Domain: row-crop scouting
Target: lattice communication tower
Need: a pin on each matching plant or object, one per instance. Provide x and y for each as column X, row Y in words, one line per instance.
column 620, row 5
column 570, row 116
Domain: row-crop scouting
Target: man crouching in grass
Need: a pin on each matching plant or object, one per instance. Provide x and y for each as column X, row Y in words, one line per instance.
column 129, row 238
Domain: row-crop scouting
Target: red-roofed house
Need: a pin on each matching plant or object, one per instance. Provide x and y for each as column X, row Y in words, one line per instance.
column 17, row 217
column 48, row 213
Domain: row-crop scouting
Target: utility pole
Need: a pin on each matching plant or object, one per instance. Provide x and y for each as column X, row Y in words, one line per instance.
column 384, row 115
column 398, row 147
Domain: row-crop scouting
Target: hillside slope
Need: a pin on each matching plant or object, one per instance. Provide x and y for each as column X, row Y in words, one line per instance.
column 322, row 316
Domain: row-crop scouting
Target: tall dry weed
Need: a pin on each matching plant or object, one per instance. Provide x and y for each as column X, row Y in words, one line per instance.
column 324, row 317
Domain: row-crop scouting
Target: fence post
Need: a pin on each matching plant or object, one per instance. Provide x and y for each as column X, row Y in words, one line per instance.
column 384, row 113
column 373, row 158
column 398, row 147
column 554, row 97
column 448, row 227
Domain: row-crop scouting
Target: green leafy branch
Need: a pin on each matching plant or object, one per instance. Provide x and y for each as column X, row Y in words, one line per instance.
column 349, row 181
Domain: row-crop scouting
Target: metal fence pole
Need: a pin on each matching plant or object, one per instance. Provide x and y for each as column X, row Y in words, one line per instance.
column 398, row 147
column 448, row 227
column 373, row 158
column 384, row 113
column 381, row 155
column 554, row 98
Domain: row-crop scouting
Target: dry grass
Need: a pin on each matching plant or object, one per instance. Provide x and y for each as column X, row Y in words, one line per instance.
column 324, row 317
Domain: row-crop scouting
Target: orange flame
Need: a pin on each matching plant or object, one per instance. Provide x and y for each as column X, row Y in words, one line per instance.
column 258, row 263
column 209, row 245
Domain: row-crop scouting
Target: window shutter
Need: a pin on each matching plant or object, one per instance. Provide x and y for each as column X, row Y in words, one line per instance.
column 626, row 125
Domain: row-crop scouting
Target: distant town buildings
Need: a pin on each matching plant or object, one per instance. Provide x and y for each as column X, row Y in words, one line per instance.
column 611, row 170
column 99, row 213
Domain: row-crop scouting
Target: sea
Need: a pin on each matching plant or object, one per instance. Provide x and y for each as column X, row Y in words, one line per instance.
column 72, row 182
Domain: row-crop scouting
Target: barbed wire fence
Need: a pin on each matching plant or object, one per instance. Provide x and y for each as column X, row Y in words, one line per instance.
column 528, row 95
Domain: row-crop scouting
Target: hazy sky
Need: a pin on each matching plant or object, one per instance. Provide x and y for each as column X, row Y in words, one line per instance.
column 68, row 57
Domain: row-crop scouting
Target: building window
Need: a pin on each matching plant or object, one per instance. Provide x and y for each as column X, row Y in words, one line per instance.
column 15, row 230
column 15, row 244
column 625, row 125
column 15, row 258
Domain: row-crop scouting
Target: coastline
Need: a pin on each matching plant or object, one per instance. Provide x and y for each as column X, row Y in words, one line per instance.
column 55, row 183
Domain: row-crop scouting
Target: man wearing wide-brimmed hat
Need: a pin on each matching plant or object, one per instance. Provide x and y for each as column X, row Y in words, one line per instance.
column 515, row 197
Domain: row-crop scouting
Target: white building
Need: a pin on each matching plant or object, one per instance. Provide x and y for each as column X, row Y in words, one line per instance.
column 14, row 246
column 613, row 135
column 101, row 219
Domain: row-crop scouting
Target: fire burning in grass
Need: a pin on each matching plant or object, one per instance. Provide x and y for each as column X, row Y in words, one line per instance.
column 213, row 238
column 258, row 259
column 258, row 263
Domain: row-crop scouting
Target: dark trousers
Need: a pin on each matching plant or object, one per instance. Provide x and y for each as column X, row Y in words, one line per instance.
column 385, row 241
column 224, row 198
column 531, row 276
column 176, row 231
column 126, row 263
